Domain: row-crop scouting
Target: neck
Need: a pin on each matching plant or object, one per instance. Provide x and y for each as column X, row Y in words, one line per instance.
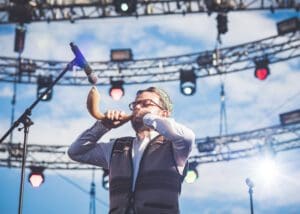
column 142, row 134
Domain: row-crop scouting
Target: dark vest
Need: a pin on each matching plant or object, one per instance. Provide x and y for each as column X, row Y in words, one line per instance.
column 158, row 182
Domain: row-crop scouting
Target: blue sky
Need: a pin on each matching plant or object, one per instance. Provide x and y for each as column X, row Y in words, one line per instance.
column 251, row 104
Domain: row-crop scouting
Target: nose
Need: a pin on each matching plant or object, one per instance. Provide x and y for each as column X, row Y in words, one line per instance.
column 137, row 106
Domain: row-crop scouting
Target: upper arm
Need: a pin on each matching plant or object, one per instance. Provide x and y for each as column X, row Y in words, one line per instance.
column 181, row 137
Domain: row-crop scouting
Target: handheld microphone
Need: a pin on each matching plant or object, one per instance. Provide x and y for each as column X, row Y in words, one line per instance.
column 82, row 63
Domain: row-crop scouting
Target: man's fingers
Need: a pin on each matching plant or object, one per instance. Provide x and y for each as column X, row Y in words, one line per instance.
column 121, row 115
column 114, row 114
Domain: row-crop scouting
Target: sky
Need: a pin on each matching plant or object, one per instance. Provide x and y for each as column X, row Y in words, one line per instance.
column 250, row 104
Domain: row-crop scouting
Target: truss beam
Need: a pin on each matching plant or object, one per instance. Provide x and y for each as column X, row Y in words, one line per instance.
column 53, row 11
column 222, row 61
column 273, row 140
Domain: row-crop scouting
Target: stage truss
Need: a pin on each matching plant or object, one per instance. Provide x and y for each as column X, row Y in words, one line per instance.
column 67, row 10
column 271, row 140
column 207, row 63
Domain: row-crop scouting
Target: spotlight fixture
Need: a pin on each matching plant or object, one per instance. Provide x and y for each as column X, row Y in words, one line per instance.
column 288, row 26
column 121, row 55
column 20, row 33
column 105, row 179
column 262, row 70
column 20, row 11
column 208, row 146
column 192, row 173
column 222, row 23
column 292, row 117
column 125, row 7
column 116, row 90
column 43, row 82
column 187, row 82
column 205, row 60
column 36, row 176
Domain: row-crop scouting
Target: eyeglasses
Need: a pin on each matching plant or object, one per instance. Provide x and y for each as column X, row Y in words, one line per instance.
column 144, row 103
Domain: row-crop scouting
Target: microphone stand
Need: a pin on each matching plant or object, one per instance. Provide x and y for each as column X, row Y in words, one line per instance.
column 250, row 191
column 27, row 122
column 251, row 199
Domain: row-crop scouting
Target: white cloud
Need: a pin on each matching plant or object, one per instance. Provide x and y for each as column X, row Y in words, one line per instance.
column 6, row 91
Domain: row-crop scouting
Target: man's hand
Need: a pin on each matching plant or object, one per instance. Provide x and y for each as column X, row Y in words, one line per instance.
column 114, row 119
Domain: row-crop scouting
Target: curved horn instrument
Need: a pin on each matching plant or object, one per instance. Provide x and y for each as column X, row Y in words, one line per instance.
column 92, row 103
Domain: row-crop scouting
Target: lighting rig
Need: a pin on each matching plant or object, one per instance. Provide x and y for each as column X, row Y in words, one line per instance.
column 28, row 11
column 139, row 71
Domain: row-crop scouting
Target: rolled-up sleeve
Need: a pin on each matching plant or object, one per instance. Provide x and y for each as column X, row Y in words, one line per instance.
column 85, row 148
column 181, row 136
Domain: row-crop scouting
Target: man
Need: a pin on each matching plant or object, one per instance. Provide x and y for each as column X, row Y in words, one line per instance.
column 145, row 171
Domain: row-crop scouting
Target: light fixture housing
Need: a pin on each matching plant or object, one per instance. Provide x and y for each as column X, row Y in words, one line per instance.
column 121, row 55
column 208, row 145
column 187, row 82
column 20, row 33
column 262, row 70
column 192, row 173
column 288, row 26
column 116, row 90
column 43, row 82
column 125, row 7
column 36, row 176
column 222, row 23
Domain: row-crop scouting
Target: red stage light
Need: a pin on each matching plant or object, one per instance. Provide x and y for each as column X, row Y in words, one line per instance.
column 116, row 91
column 262, row 70
column 262, row 73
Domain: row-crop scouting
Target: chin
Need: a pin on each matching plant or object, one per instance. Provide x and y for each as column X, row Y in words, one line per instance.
column 138, row 126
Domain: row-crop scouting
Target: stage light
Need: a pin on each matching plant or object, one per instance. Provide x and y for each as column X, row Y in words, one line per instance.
column 20, row 33
column 116, row 90
column 205, row 60
column 20, row 11
column 222, row 23
column 208, row 146
column 105, row 179
column 192, row 173
column 121, row 55
column 220, row 5
column 288, row 26
column 267, row 171
column 36, row 176
column 125, row 7
column 43, row 82
column 292, row 117
column 187, row 82
column 262, row 70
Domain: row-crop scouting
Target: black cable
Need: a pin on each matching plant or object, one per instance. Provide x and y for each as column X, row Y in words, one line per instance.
column 80, row 188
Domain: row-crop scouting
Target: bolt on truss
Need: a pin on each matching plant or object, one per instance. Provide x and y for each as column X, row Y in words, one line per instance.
column 49, row 10
column 273, row 139
column 207, row 63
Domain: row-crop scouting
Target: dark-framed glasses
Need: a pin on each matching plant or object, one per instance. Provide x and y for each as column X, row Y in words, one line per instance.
column 143, row 104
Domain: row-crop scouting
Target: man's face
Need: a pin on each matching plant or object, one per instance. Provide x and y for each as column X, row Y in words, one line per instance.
column 146, row 102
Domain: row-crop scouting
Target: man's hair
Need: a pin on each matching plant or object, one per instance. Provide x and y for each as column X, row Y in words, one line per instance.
column 164, row 98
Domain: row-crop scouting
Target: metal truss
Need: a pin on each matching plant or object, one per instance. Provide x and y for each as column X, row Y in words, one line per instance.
column 73, row 10
column 265, row 141
column 225, row 148
column 205, row 64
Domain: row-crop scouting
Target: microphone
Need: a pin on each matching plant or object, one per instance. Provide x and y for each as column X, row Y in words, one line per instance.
column 249, row 183
column 82, row 63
